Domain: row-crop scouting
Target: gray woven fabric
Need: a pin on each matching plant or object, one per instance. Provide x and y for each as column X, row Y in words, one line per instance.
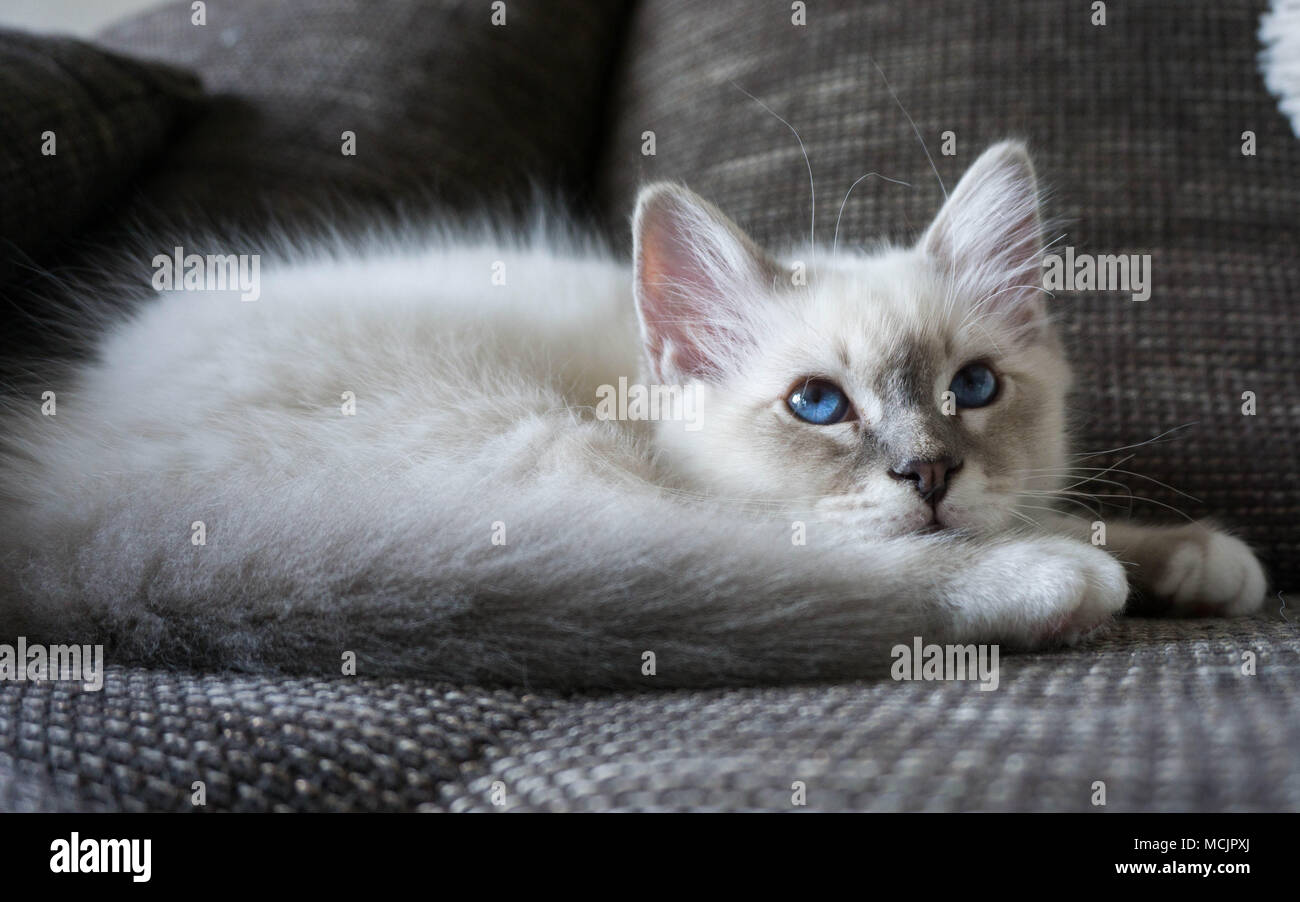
column 257, row 744
column 1136, row 128
column 1159, row 710
column 448, row 110
column 109, row 116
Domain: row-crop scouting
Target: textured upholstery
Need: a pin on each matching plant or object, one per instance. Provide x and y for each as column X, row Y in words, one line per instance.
column 448, row 109
column 109, row 116
column 1160, row 711
column 1136, row 130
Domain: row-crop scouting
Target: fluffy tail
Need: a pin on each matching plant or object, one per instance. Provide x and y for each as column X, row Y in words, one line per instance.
column 547, row 580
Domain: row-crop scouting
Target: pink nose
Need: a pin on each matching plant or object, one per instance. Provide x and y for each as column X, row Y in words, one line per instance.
column 931, row 476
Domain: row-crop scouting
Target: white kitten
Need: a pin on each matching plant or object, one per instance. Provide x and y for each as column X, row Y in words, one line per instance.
column 476, row 519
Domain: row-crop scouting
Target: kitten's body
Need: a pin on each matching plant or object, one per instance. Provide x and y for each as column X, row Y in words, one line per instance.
column 475, row 519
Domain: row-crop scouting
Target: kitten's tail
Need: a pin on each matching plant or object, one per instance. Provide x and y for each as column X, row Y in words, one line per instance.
column 553, row 579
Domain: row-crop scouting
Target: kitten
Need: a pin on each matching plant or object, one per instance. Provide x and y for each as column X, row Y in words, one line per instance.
column 869, row 446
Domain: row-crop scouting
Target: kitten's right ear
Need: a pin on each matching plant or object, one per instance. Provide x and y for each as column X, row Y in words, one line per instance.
column 695, row 271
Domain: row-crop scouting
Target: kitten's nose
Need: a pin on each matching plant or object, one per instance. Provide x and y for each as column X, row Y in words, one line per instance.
column 931, row 476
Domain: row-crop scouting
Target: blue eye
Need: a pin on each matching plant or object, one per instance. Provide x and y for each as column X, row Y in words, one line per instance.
column 974, row 385
column 818, row 402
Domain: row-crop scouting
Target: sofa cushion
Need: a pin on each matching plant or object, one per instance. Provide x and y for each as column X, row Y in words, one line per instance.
column 447, row 109
column 1159, row 710
column 1136, row 127
column 78, row 124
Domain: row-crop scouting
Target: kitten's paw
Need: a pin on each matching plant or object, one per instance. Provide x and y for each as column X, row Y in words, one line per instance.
column 1204, row 572
column 1044, row 591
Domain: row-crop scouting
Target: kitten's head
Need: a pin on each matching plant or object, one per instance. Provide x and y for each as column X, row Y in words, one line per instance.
column 922, row 387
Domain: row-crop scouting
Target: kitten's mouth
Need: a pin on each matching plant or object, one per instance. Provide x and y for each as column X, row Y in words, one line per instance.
column 935, row 524
column 940, row 521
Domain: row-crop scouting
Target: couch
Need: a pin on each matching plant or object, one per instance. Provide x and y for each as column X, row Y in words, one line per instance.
column 233, row 127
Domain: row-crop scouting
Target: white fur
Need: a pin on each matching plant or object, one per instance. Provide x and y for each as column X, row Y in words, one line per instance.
column 372, row 533
column 1279, row 62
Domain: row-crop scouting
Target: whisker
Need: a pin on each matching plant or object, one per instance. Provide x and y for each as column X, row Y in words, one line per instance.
column 1072, row 497
column 1052, row 510
column 1152, row 501
column 835, row 240
column 916, row 130
column 1149, row 441
column 1163, row 485
column 1129, row 491
column 812, row 188
column 1023, row 517
column 1130, row 497
column 1081, row 481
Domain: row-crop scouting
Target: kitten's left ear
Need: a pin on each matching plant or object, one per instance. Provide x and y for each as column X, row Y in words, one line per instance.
column 989, row 235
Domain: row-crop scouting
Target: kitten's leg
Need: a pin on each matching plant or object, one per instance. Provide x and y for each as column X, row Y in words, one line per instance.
column 1193, row 569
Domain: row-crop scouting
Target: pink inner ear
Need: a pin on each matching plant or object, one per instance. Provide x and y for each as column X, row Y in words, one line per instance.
column 1015, row 270
column 989, row 235
column 694, row 270
column 673, row 310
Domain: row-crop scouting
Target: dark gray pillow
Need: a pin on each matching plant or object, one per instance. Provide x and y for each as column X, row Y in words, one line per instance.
column 1136, row 125
column 448, row 110
column 106, row 114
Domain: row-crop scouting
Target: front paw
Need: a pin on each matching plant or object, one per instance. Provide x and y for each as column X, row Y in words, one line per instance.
column 1042, row 591
column 1205, row 572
